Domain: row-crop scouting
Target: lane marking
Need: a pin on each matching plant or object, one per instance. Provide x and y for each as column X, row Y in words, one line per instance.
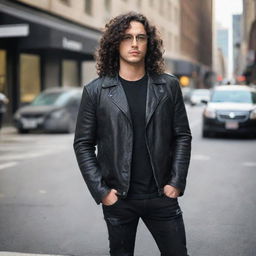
column 42, row 191
column 200, row 157
column 7, row 165
column 33, row 155
column 249, row 164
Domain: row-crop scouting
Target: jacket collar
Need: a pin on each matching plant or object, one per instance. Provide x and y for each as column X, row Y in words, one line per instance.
column 114, row 81
column 155, row 94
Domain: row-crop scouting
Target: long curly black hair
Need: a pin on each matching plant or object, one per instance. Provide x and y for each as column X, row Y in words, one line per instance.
column 107, row 55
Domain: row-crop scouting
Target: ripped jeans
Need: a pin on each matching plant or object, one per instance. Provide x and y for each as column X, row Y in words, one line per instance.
column 162, row 216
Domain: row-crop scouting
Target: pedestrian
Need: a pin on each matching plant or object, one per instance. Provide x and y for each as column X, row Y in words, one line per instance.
column 135, row 114
column 3, row 102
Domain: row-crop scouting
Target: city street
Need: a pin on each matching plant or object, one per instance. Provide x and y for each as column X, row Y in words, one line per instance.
column 45, row 206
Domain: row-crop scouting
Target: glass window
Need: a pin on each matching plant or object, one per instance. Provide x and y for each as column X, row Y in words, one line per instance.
column 161, row 7
column 88, row 7
column 30, row 83
column 201, row 92
column 108, row 6
column 52, row 98
column 46, row 99
column 139, row 3
column 170, row 40
column 169, row 12
column 70, row 73
column 3, row 71
column 66, row 2
column 237, row 96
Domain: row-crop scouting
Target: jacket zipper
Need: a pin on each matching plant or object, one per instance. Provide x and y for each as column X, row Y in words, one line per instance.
column 154, row 174
column 130, row 166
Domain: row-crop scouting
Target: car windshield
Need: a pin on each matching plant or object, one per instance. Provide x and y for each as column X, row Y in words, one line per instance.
column 236, row 96
column 201, row 92
column 51, row 98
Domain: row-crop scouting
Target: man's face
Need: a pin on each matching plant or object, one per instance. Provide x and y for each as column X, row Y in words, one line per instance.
column 133, row 46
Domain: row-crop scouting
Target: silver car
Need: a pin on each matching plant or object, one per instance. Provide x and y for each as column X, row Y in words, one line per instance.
column 54, row 110
column 231, row 109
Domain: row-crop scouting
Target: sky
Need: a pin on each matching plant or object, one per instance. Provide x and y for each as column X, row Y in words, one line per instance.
column 223, row 14
column 224, row 10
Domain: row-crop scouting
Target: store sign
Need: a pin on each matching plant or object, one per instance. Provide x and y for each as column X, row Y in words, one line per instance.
column 71, row 44
column 14, row 30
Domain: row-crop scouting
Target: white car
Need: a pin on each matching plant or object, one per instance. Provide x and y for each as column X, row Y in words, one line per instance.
column 198, row 95
column 231, row 109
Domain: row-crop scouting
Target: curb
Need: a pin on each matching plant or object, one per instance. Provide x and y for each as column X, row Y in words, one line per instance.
column 8, row 130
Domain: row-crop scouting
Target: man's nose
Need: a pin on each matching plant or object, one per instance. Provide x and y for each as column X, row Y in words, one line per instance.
column 134, row 41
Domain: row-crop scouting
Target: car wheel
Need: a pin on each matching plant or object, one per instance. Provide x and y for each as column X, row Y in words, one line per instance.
column 23, row 131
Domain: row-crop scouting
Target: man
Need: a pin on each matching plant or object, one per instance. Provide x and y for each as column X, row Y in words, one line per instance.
column 135, row 115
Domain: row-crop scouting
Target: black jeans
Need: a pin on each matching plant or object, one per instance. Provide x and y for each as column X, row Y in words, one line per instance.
column 161, row 215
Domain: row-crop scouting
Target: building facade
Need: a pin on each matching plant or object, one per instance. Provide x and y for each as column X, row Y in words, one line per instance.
column 237, row 38
column 248, row 45
column 222, row 43
column 39, row 50
column 48, row 43
column 196, row 42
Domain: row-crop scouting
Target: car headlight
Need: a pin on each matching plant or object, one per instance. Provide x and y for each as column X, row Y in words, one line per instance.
column 17, row 115
column 253, row 114
column 57, row 114
column 209, row 113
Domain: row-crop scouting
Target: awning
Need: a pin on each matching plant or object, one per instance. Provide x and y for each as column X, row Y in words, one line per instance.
column 47, row 31
column 186, row 68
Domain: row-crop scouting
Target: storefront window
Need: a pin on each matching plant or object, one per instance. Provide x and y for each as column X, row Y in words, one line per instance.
column 29, row 77
column 70, row 73
column 3, row 71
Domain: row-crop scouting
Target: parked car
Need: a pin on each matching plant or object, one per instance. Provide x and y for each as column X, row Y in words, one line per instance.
column 197, row 95
column 53, row 110
column 186, row 92
column 232, row 109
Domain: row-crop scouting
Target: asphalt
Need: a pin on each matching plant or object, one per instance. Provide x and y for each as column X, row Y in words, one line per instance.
column 9, row 130
column 25, row 254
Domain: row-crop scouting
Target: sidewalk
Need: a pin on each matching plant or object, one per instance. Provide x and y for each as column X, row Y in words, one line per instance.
column 8, row 130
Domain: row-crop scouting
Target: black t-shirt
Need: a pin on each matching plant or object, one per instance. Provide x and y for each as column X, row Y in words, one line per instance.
column 142, row 183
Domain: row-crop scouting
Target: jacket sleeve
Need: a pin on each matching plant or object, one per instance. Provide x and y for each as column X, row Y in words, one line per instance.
column 182, row 147
column 84, row 146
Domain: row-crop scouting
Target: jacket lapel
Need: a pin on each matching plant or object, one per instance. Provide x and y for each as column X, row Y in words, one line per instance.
column 117, row 95
column 155, row 94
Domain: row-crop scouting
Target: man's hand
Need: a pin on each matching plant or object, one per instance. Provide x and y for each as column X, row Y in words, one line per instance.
column 171, row 191
column 110, row 198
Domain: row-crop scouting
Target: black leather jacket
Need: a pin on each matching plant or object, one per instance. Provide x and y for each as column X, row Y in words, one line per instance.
column 104, row 120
